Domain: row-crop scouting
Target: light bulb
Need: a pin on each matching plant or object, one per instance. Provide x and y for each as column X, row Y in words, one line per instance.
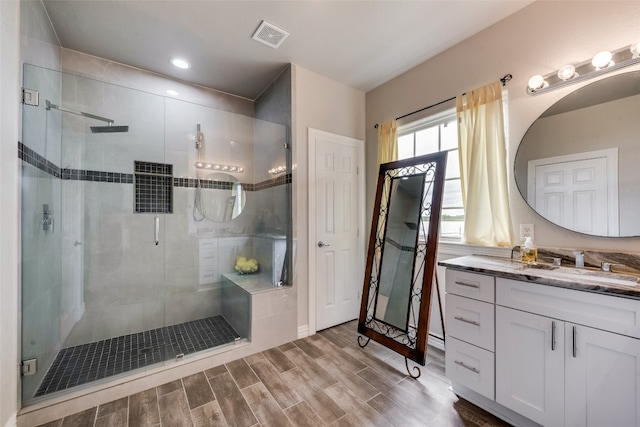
column 536, row 82
column 198, row 164
column 216, row 167
column 602, row 60
column 567, row 72
column 240, row 169
column 635, row 49
column 208, row 166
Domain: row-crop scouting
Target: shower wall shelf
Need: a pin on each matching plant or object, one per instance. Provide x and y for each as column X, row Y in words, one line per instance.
column 153, row 184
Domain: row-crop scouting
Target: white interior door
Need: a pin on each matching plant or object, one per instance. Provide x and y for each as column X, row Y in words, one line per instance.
column 336, row 254
column 579, row 192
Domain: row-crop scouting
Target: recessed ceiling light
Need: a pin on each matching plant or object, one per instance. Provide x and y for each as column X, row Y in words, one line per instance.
column 180, row 63
column 172, row 92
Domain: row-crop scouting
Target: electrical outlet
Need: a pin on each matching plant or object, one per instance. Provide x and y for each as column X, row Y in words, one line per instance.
column 526, row 230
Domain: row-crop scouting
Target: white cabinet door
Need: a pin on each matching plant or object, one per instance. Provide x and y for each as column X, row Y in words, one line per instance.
column 530, row 365
column 602, row 377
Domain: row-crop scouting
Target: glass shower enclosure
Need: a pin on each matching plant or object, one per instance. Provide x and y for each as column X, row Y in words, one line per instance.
column 135, row 209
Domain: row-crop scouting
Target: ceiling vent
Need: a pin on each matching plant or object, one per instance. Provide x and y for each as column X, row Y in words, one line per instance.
column 270, row 35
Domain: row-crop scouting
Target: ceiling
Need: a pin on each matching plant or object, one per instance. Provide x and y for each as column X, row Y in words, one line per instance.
column 362, row 44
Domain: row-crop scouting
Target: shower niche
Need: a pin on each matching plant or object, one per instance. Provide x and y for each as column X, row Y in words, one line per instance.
column 133, row 276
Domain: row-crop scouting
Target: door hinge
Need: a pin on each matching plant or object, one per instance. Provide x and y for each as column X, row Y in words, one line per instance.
column 286, row 145
column 30, row 97
column 29, row 367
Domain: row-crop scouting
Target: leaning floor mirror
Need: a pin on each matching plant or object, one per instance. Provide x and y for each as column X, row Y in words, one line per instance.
column 396, row 298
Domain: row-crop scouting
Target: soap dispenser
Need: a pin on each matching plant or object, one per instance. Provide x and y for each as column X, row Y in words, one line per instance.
column 528, row 252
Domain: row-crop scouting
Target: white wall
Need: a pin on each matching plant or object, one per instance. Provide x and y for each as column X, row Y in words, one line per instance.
column 536, row 40
column 326, row 105
column 9, row 225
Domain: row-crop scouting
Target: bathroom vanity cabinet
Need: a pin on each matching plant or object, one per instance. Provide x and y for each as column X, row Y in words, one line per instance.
column 537, row 353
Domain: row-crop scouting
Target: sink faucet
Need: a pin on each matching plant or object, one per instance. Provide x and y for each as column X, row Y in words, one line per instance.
column 606, row 266
column 579, row 259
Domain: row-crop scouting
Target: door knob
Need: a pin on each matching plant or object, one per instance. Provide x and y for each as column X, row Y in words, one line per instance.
column 321, row 244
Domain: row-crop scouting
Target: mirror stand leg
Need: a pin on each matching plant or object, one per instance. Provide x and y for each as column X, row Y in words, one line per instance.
column 444, row 334
column 360, row 341
column 415, row 368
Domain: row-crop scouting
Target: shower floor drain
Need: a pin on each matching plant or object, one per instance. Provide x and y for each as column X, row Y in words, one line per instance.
column 101, row 359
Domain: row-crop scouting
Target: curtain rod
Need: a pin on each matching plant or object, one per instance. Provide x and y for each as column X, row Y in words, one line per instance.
column 504, row 81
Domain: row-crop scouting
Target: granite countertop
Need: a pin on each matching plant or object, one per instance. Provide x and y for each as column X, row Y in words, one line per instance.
column 583, row 279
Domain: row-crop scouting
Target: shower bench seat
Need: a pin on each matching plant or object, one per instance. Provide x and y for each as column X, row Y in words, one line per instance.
column 252, row 283
column 249, row 300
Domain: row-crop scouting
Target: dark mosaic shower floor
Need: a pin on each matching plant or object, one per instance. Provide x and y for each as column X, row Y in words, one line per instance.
column 89, row 362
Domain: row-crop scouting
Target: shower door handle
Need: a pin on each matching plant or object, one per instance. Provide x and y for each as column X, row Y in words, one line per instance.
column 156, row 230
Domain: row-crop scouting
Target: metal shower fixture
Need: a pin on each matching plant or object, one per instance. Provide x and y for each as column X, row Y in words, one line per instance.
column 110, row 128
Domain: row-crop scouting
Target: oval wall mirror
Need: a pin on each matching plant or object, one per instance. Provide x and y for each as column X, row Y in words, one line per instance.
column 578, row 165
column 220, row 197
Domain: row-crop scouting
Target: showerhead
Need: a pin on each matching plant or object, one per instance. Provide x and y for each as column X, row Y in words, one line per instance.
column 109, row 129
column 94, row 129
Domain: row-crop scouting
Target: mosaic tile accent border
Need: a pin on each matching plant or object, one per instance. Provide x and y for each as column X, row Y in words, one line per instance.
column 34, row 159
column 98, row 176
column 101, row 359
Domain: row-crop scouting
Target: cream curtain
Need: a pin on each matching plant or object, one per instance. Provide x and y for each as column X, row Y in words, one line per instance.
column 387, row 142
column 483, row 167
column 387, row 152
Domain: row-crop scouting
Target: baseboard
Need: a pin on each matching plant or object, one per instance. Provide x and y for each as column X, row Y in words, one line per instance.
column 436, row 342
column 303, row 331
column 12, row 421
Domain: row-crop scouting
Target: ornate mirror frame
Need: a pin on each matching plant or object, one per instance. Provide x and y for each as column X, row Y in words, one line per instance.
column 410, row 341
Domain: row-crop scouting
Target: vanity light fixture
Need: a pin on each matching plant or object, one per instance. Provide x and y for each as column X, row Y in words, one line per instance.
column 218, row 167
column 281, row 169
column 180, row 63
column 601, row 63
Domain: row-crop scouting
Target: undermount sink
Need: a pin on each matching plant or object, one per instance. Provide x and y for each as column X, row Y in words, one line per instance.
column 600, row 276
column 536, row 267
column 581, row 274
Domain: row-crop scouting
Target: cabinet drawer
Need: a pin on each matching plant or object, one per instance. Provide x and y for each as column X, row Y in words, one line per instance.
column 471, row 321
column 609, row 313
column 471, row 285
column 470, row 366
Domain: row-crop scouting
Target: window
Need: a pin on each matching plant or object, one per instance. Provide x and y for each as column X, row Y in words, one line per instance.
column 439, row 133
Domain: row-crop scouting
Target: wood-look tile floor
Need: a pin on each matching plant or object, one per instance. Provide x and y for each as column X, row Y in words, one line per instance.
column 322, row 380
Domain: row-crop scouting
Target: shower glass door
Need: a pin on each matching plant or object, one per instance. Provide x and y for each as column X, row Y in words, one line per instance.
column 94, row 208
column 136, row 210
